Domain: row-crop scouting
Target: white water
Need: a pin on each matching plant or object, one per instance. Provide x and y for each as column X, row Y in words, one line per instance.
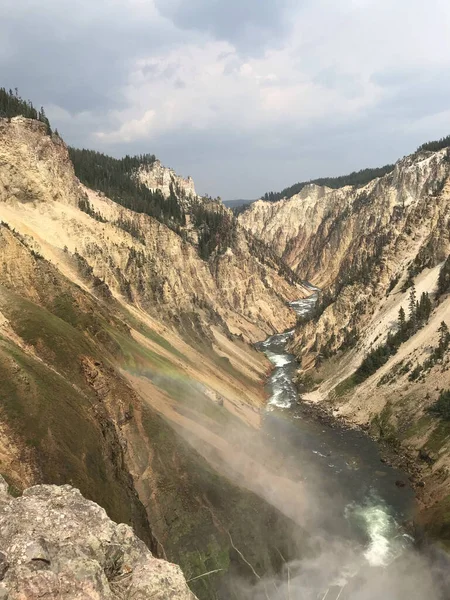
column 378, row 522
column 385, row 542
column 279, row 360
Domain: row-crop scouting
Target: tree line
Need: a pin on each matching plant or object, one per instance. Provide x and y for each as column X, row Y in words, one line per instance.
column 356, row 178
column 216, row 229
column 12, row 105
column 116, row 178
column 419, row 313
column 435, row 145
column 444, row 278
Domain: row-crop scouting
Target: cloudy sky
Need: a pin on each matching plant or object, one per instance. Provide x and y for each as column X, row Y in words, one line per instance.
column 244, row 95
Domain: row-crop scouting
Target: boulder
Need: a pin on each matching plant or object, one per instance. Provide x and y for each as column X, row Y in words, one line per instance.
column 56, row 544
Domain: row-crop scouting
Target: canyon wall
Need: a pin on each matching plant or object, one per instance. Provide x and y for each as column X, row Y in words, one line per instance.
column 366, row 248
column 127, row 367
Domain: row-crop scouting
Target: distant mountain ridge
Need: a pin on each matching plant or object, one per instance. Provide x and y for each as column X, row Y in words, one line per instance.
column 235, row 203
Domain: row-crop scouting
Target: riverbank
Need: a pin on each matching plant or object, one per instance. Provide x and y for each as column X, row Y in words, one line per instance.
column 390, row 455
column 409, row 460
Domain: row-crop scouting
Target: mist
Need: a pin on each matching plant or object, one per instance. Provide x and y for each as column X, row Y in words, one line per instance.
column 357, row 540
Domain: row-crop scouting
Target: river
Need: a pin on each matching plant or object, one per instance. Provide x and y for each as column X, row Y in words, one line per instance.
column 358, row 504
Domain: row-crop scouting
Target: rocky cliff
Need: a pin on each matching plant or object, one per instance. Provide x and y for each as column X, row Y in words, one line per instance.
column 158, row 177
column 55, row 543
column 126, row 366
column 137, row 257
column 326, row 235
column 366, row 248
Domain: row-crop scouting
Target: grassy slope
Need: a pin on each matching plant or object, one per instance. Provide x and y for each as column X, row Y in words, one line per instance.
column 71, row 434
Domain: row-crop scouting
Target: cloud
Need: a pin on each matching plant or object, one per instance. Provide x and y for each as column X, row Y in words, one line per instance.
column 132, row 130
column 78, row 55
column 245, row 96
column 251, row 26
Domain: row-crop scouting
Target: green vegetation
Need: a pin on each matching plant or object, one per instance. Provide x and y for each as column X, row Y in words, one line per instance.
column 266, row 255
column 435, row 145
column 195, row 510
column 57, row 340
column 152, row 335
column 438, row 522
column 12, row 489
column 345, row 386
column 436, row 356
column 419, row 314
column 356, row 178
column 131, row 227
column 444, row 278
column 417, row 428
column 86, row 206
column 12, row 105
column 55, row 422
column 216, row 229
column 384, row 427
column 137, row 358
column 442, row 405
column 117, row 179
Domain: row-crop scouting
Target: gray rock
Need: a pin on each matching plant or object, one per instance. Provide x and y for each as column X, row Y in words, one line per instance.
column 3, row 489
column 4, row 565
column 56, row 544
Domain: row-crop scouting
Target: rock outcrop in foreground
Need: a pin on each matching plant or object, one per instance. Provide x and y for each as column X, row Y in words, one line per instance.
column 56, row 544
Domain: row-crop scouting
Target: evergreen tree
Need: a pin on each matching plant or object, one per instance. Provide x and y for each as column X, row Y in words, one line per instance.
column 117, row 179
column 357, row 178
column 442, row 405
column 423, row 309
column 444, row 278
column 402, row 322
column 43, row 118
column 413, row 308
column 444, row 338
column 12, row 105
column 435, row 145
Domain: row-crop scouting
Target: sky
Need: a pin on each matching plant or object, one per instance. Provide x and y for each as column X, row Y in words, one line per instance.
column 246, row 96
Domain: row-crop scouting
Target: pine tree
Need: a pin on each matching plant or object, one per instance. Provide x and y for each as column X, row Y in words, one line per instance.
column 402, row 323
column 413, row 308
column 444, row 337
column 444, row 277
column 423, row 309
column 43, row 118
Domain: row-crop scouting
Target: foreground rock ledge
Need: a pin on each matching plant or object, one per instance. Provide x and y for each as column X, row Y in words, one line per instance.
column 56, row 544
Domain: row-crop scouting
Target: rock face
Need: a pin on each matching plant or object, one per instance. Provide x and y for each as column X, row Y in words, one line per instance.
column 158, row 177
column 322, row 233
column 125, row 364
column 156, row 269
column 44, row 159
column 289, row 226
column 56, row 544
column 356, row 241
column 366, row 247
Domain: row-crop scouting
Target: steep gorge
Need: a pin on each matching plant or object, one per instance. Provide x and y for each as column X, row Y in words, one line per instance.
column 127, row 359
column 366, row 247
column 127, row 369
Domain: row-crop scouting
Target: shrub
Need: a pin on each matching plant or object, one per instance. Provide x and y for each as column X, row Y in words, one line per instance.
column 442, row 405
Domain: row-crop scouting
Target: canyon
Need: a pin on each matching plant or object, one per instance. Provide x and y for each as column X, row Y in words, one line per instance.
column 131, row 366
column 127, row 365
column 366, row 247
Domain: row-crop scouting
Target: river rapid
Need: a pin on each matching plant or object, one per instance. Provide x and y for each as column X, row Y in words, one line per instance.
column 361, row 505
